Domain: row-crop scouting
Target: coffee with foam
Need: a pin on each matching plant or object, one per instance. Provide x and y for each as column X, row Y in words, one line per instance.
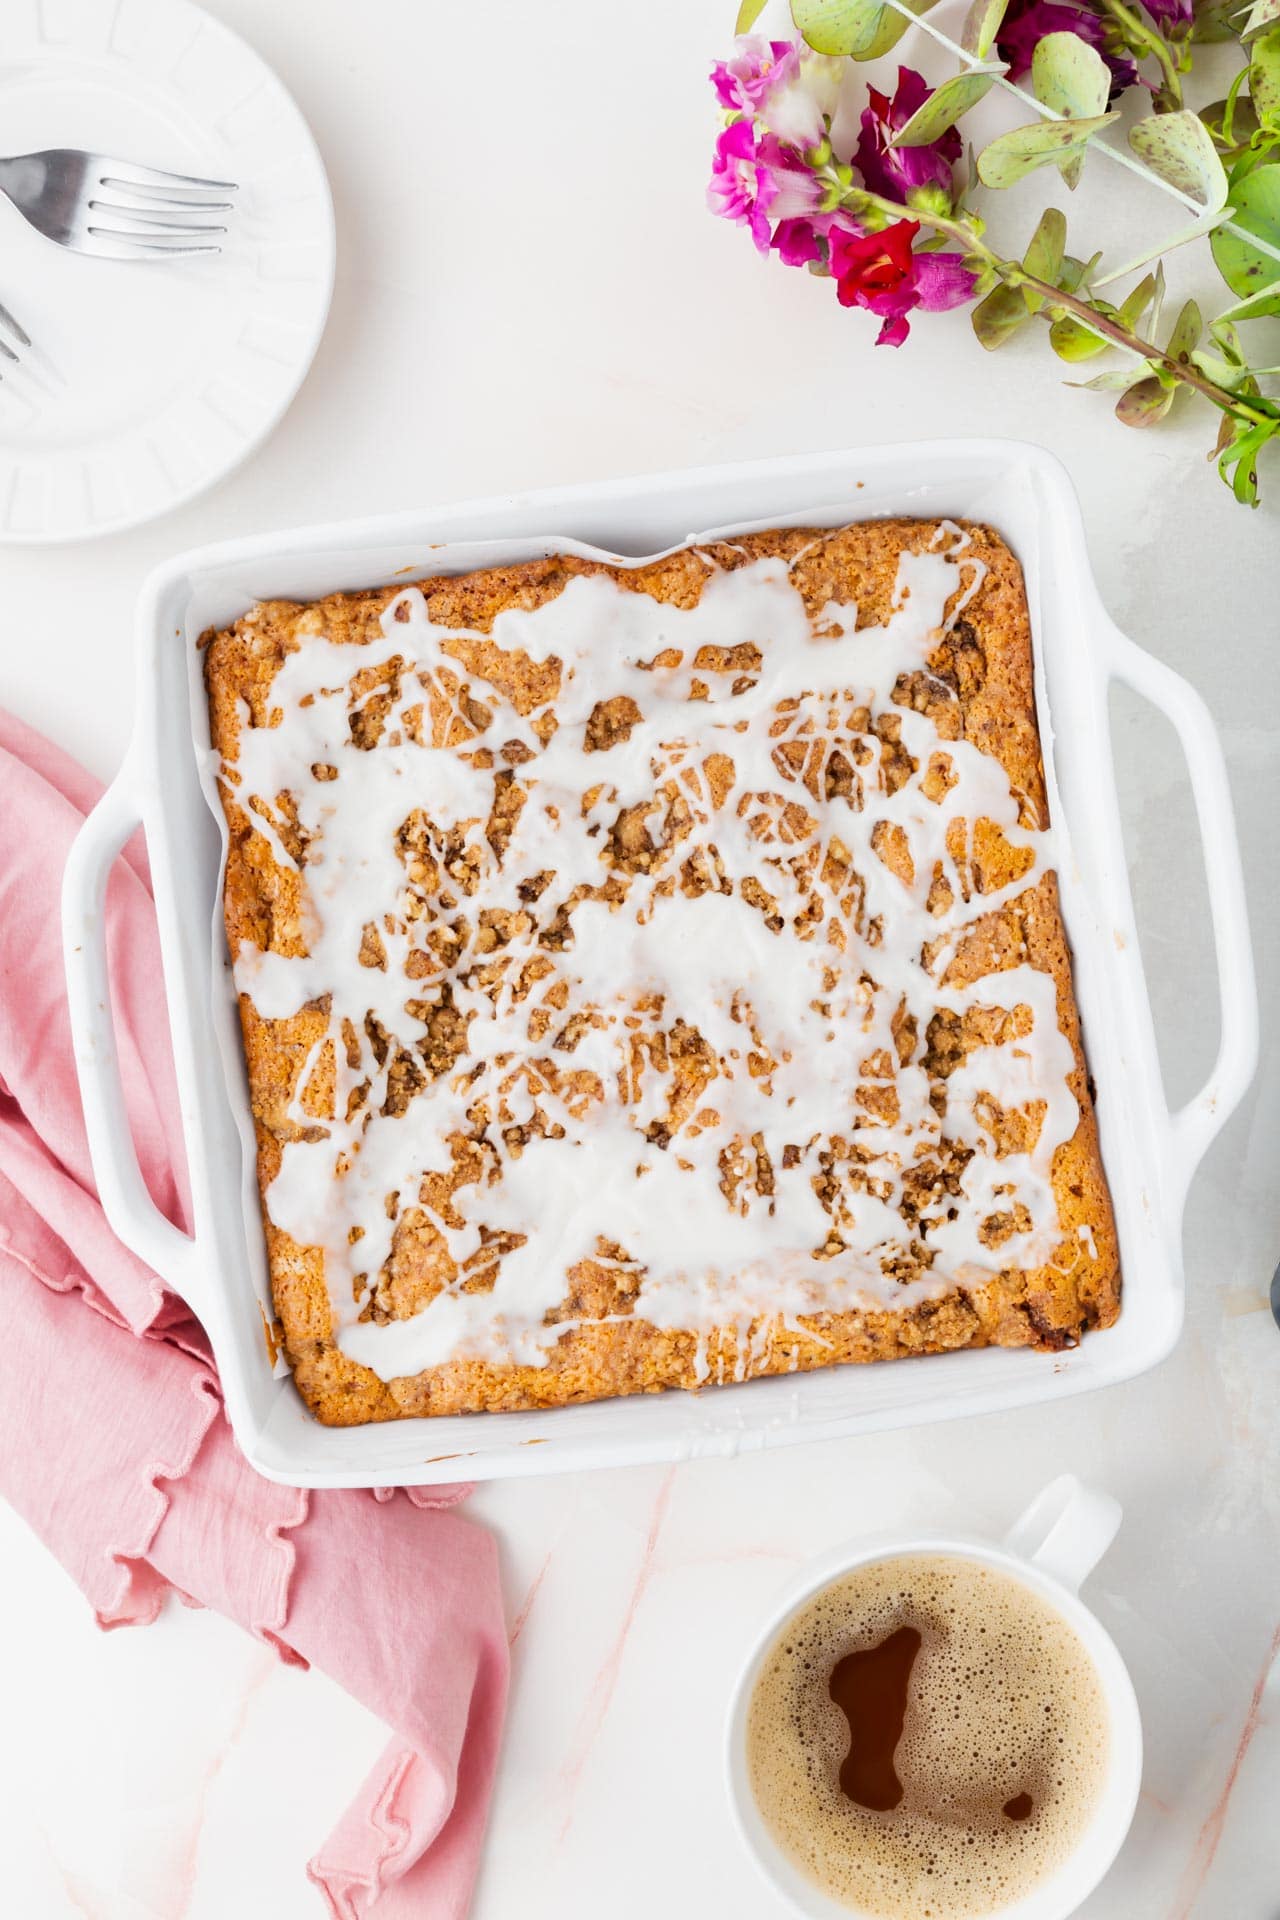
column 928, row 1739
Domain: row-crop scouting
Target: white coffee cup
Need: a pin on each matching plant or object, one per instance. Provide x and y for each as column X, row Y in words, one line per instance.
column 1052, row 1547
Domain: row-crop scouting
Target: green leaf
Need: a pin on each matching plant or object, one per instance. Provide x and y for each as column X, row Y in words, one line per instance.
column 1179, row 149
column 863, row 29
column 1157, row 305
column 1264, row 79
column 1263, row 305
column 1073, row 342
column 1228, row 343
column 1069, row 77
column 1214, row 21
column 1146, row 402
column 1232, row 120
column 1260, row 153
column 1262, row 14
column 1221, row 372
column 748, row 13
column 1250, row 273
column 943, row 108
column 1047, row 250
column 1136, row 303
column 891, row 27
column 982, row 24
column 1114, row 380
column 1074, row 273
column 1238, row 448
column 1071, row 164
column 1244, row 482
column 838, row 26
column 1256, row 306
column 1187, row 329
column 1061, row 143
column 999, row 316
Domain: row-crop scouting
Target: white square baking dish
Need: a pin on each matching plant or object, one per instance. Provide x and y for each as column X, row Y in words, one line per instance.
column 1150, row 1154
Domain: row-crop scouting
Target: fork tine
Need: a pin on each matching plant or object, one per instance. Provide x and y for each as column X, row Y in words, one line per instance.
column 125, row 173
column 25, row 368
column 153, row 235
column 20, row 334
column 128, row 246
column 156, row 218
column 145, row 195
column 28, row 376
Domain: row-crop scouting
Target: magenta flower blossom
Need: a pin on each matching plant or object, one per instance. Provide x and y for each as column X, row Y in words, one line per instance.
column 805, row 101
column 782, row 85
column 796, row 188
column 799, row 242
column 1028, row 21
column 894, row 171
column 740, row 188
column 744, row 82
column 754, row 181
column 1171, row 16
column 943, row 281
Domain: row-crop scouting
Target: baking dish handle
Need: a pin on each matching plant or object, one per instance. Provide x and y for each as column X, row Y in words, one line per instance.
column 1193, row 1128
column 130, row 1210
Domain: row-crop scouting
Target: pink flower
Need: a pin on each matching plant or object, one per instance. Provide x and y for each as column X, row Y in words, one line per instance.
column 740, row 188
column 797, row 242
column 880, row 272
column 781, row 83
column 943, row 281
column 801, row 106
column 744, row 82
column 894, row 171
column 796, row 188
column 1028, row 21
column 756, row 180
column 1171, row 16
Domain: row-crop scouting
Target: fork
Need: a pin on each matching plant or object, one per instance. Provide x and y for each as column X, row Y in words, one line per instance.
column 94, row 204
column 14, row 339
column 22, row 365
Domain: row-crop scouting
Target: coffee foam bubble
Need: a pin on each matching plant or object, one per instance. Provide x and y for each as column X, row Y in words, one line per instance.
column 1003, row 1700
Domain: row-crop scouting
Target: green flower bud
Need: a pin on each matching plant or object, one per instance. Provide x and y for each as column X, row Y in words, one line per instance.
column 871, row 219
column 930, row 198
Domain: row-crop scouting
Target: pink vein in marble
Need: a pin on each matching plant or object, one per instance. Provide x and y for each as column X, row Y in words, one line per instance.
column 1211, row 1832
column 526, row 1605
column 606, row 1680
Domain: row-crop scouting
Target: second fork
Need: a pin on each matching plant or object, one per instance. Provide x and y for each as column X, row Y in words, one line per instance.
column 112, row 208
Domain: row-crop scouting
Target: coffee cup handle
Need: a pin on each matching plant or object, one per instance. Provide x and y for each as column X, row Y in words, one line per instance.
column 1066, row 1530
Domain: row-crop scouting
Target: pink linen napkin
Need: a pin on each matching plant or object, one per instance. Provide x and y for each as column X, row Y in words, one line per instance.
column 113, row 1442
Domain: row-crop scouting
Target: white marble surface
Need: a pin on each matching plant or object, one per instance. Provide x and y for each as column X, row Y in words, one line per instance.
column 529, row 291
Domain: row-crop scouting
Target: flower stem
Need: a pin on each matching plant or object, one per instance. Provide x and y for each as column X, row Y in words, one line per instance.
column 1146, row 38
column 1056, row 301
column 1119, row 335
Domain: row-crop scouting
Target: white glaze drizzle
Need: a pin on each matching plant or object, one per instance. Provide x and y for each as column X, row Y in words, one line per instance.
column 811, row 1007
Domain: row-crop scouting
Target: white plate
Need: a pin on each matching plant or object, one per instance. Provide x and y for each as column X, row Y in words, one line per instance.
column 168, row 373
column 1150, row 1154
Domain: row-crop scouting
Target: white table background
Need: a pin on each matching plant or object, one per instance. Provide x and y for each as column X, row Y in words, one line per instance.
column 529, row 291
